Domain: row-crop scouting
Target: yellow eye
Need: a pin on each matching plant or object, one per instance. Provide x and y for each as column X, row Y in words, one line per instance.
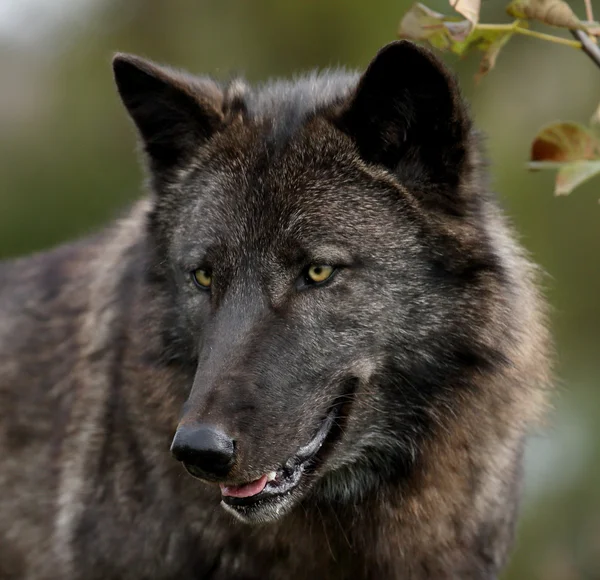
column 318, row 273
column 202, row 278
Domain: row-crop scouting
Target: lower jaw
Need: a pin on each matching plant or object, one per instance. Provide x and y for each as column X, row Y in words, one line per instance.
column 267, row 509
column 277, row 499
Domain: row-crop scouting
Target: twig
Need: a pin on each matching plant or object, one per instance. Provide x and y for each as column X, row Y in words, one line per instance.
column 588, row 46
column 516, row 29
column 549, row 37
column 588, row 10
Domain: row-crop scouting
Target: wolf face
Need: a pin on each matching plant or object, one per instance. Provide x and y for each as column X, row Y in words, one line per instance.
column 322, row 248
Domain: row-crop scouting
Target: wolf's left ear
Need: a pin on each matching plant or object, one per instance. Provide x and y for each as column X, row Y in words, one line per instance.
column 174, row 113
column 407, row 114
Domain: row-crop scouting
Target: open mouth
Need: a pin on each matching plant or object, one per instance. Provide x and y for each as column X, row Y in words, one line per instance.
column 274, row 486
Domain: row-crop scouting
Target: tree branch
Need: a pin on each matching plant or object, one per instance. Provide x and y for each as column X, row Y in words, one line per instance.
column 588, row 46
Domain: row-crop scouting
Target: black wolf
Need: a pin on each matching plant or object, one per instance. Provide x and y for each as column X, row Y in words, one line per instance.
column 319, row 311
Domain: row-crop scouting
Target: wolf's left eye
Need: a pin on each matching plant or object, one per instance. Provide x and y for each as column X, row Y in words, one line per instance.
column 318, row 273
column 202, row 278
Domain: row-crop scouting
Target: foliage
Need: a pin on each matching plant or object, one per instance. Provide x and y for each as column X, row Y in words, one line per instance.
column 571, row 148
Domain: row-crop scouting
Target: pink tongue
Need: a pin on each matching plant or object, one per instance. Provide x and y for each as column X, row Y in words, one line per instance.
column 246, row 490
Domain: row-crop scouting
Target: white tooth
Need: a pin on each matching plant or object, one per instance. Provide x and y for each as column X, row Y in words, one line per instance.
column 271, row 475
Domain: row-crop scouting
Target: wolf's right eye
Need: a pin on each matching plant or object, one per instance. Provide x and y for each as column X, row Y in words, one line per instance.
column 202, row 278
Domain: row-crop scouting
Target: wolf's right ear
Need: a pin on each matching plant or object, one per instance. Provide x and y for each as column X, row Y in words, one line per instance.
column 173, row 113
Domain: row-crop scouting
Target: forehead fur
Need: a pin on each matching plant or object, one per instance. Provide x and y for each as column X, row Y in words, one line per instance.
column 311, row 186
column 286, row 104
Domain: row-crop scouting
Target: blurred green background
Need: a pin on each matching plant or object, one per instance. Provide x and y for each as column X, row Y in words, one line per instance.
column 68, row 163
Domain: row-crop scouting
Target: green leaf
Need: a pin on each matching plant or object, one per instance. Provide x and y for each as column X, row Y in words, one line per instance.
column 551, row 12
column 574, row 174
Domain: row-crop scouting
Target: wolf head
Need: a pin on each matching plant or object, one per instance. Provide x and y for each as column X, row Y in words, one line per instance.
column 321, row 244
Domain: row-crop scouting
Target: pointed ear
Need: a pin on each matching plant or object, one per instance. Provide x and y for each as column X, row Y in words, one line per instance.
column 407, row 114
column 174, row 113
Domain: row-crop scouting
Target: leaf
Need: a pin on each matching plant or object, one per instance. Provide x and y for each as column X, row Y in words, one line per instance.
column 565, row 142
column 490, row 41
column 595, row 120
column 592, row 27
column 488, row 61
column 449, row 33
column 571, row 148
column 458, row 31
column 422, row 23
column 552, row 12
column 574, row 174
column 569, row 175
column 468, row 8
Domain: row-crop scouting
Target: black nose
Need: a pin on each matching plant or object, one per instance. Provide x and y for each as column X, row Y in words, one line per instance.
column 205, row 451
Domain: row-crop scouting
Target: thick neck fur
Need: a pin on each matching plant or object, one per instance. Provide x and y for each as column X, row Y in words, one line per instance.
column 429, row 525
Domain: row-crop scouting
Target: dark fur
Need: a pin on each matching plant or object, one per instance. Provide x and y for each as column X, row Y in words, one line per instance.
column 430, row 338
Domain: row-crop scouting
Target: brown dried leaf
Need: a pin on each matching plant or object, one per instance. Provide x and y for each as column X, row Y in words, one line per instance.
column 552, row 12
column 565, row 142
